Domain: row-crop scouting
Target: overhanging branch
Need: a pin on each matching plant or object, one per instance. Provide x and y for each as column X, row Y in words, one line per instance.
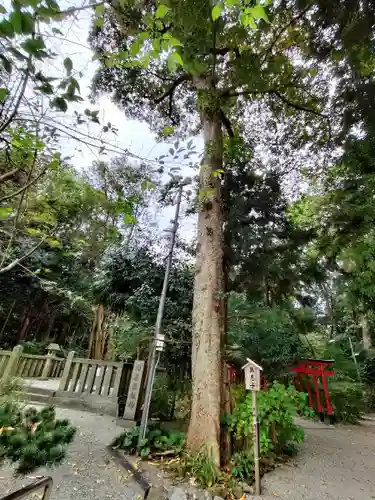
column 16, row 262
column 9, row 175
column 296, row 105
column 232, row 93
column 170, row 91
column 283, row 29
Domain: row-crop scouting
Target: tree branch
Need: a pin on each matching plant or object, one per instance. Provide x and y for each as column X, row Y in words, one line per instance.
column 9, row 175
column 226, row 123
column 18, row 102
column 295, row 105
column 23, row 188
column 300, row 107
column 18, row 213
column 73, row 10
column 283, row 29
column 16, row 262
column 183, row 78
column 231, row 92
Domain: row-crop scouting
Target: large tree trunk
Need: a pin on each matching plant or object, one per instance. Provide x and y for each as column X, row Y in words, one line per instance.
column 208, row 306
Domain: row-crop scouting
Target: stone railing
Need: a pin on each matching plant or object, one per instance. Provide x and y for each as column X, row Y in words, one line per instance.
column 4, row 358
column 17, row 364
column 113, row 387
column 93, row 383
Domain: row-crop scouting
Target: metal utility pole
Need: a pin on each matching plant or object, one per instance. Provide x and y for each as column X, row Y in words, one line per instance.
column 158, row 340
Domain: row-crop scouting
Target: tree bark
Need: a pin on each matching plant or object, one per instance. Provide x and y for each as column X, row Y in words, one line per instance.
column 208, row 305
column 366, row 334
column 7, row 319
column 24, row 328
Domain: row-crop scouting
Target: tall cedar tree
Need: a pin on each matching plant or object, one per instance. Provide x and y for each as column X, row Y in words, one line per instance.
column 189, row 66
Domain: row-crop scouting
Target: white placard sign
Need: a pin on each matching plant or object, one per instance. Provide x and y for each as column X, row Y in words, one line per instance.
column 252, row 375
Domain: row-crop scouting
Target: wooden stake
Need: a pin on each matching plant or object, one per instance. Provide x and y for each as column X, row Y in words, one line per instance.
column 256, row 443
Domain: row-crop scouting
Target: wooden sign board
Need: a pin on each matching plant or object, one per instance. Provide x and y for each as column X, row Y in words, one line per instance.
column 134, row 389
column 252, row 375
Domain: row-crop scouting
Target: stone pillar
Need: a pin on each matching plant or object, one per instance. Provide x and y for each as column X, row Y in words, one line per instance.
column 65, row 375
column 12, row 365
column 52, row 349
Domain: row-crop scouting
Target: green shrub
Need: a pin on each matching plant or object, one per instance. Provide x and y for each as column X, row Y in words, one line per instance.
column 35, row 347
column 348, row 400
column 30, row 438
column 201, row 467
column 243, row 465
column 10, row 389
column 157, row 441
column 163, row 398
column 277, row 407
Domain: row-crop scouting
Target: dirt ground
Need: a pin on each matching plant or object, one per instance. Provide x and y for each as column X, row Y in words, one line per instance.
column 335, row 463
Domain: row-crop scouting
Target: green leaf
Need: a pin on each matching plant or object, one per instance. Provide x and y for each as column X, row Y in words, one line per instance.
column 6, row 29
column 147, row 186
column 129, row 219
column 2, row 9
column 167, row 131
column 15, row 20
column 248, row 20
column 5, row 211
column 34, row 46
column 28, row 23
column 17, row 54
column 156, row 44
column 135, row 47
column 174, row 60
column 161, row 11
column 60, row 104
column 216, row 11
column 53, row 242
column 56, row 31
column 145, row 451
column 3, row 94
column 46, row 88
column 258, row 12
column 34, row 232
column 6, row 63
column 68, row 65
column 99, row 11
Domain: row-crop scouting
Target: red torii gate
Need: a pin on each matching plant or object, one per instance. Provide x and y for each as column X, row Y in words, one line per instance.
column 318, row 370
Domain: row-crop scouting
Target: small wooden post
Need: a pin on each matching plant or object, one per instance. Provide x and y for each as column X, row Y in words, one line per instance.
column 65, row 375
column 12, row 365
column 252, row 383
column 51, row 356
column 256, row 443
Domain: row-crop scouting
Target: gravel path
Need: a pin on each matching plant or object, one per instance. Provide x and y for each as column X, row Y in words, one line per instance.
column 335, row 463
column 88, row 472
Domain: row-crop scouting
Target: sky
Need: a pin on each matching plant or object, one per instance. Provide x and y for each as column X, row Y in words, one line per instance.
column 132, row 135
